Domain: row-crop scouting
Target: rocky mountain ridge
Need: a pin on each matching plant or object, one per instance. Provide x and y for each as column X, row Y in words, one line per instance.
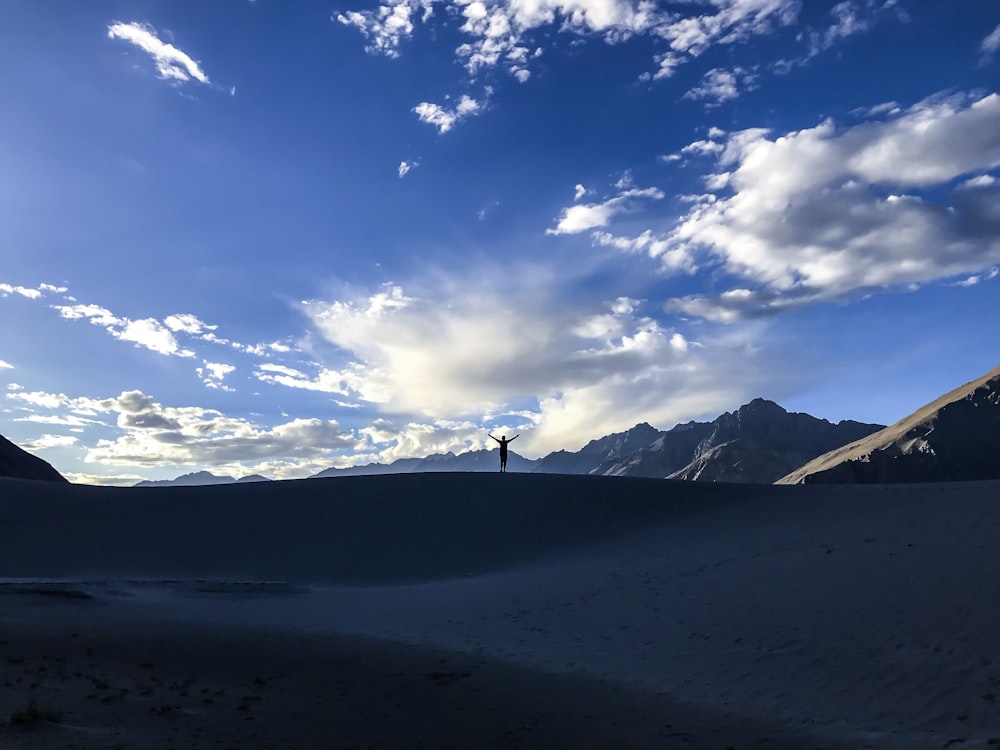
column 953, row 438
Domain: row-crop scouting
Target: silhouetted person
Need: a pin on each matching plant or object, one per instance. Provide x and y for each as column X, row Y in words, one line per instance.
column 503, row 449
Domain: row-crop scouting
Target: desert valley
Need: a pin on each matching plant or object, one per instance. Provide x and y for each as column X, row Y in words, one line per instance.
column 529, row 610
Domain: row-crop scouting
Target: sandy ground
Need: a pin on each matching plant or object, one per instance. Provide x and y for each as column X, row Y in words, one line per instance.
column 141, row 684
column 453, row 612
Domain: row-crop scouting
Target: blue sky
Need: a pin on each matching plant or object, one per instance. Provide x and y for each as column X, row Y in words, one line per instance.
column 276, row 237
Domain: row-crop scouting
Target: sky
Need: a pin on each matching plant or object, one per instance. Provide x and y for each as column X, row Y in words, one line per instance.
column 253, row 236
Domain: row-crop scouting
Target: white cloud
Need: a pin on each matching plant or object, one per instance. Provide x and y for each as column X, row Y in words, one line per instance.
column 213, row 373
column 325, row 380
column 385, row 27
column 671, row 258
column 499, row 33
column 979, row 278
column 735, row 21
column 668, row 62
column 824, row 212
column 71, row 420
column 151, row 434
column 458, row 350
column 30, row 292
column 981, row 181
column 147, row 333
column 990, row 45
column 579, row 192
column 444, row 119
column 449, row 350
column 49, row 441
column 171, row 63
column 158, row 336
column 580, row 218
column 406, row 166
column 4, row 365
column 103, row 480
column 703, row 148
column 624, row 306
column 718, row 86
column 151, row 334
column 387, row 442
column 187, row 323
column 97, row 315
column 41, row 399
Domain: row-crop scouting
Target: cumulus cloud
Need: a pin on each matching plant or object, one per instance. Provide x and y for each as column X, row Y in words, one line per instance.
column 499, row 34
column 406, row 166
column 151, row 434
column 718, row 86
column 213, row 373
column 580, row 218
column 385, row 27
column 828, row 211
column 444, row 119
column 4, row 365
column 171, row 63
column 446, row 350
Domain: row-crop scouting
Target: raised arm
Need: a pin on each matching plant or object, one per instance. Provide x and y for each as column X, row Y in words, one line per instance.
column 514, row 438
column 497, row 439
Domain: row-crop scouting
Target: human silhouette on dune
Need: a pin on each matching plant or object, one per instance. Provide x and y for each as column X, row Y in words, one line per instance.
column 503, row 449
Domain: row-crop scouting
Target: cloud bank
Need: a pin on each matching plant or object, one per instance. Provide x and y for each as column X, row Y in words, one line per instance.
column 831, row 211
column 523, row 353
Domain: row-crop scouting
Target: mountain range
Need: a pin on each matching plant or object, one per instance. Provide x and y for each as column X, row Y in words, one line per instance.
column 955, row 437
column 200, row 478
column 760, row 442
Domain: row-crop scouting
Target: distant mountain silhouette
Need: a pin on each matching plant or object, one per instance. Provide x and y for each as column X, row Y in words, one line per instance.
column 598, row 452
column 18, row 463
column 954, row 438
column 481, row 460
column 759, row 442
column 200, row 478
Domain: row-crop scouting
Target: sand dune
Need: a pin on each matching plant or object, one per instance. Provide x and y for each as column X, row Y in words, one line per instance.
column 380, row 529
column 814, row 616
